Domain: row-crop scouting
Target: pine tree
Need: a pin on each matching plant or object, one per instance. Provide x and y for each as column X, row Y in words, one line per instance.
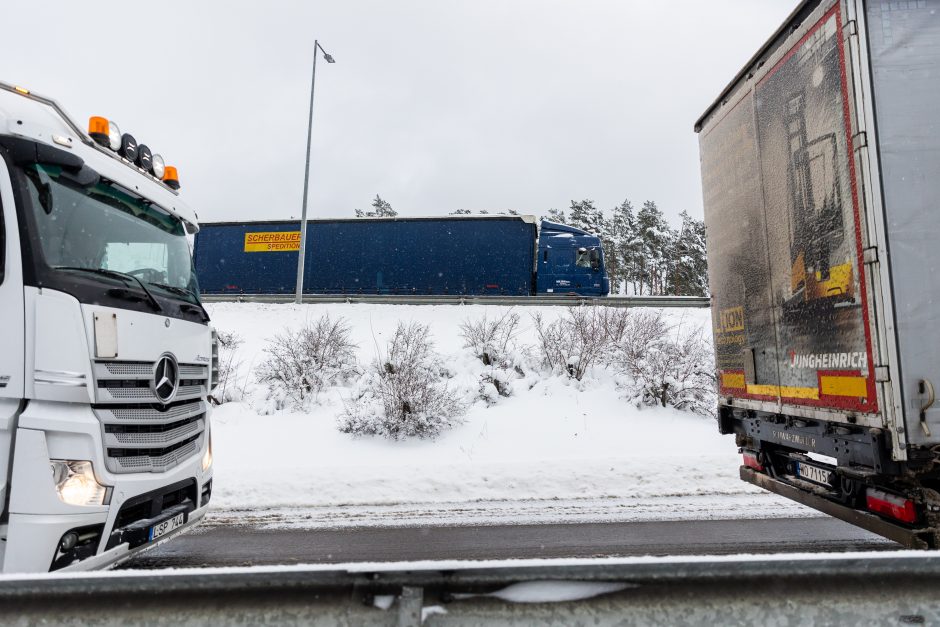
column 655, row 238
column 555, row 215
column 585, row 216
column 689, row 276
column 380, row 209
column 620, row 255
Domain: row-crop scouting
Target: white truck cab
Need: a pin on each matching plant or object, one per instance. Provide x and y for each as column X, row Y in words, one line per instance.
column 106, row 353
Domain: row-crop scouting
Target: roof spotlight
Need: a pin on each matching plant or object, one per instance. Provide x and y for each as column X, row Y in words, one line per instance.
column 144, row 157
column 114, row 136
column 128, row 147
column 157, row 166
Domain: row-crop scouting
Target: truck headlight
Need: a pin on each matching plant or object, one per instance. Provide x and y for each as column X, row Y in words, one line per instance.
column 207, row 456
column 75, row 483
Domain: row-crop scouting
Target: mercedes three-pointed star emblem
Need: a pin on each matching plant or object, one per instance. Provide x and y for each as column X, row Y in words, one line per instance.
column 166, row 378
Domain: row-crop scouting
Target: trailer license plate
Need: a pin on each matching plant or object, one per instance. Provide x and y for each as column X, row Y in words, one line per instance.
column 814, row 474
column 165, row 527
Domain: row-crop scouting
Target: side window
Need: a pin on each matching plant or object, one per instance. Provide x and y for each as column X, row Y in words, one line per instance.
column 583, row 259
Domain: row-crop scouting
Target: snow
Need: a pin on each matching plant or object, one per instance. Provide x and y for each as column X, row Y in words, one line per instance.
column 430, row 610
column 383, row 601
column 913, row 557
column 554, row 591
column 556, row 445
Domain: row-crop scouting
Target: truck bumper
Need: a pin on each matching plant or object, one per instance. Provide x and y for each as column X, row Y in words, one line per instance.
column 103, row 535
column 122, row 552
column 912, row 538
column 37, row 537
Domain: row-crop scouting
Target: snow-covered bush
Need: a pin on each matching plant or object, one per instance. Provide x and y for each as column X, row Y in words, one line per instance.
column 491, row 339
column 405, row 393
column 580, row 339
column 668, row 367
column 228, row 388
column 642, row 330
column 493, row 342
column 300, row 363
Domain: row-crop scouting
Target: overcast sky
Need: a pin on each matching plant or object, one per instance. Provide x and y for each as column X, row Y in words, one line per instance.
column 436, row 105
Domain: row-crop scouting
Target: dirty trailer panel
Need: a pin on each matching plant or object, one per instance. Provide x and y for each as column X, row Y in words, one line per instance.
column 789, row 309
column 821, row 178
column 460, row 255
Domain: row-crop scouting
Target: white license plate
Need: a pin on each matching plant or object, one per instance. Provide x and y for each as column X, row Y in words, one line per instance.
column 814, row 474
column 165, row 527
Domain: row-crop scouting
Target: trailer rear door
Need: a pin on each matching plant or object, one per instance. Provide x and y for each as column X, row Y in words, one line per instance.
column 785, row 231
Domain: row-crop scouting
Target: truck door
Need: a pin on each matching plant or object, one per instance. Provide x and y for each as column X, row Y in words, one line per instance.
column 12, row 336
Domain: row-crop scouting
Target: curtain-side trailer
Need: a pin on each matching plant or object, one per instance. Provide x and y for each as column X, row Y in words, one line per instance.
column 821, row 182
column 447, row 255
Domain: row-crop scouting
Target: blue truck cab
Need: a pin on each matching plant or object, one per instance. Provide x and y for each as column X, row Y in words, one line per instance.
column 570, row 261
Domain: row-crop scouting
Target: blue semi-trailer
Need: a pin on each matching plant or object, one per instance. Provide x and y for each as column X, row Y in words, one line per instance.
column 472, row 255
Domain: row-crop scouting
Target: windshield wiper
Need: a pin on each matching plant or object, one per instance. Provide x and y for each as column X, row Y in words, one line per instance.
column 120, row 275
column 182, row 291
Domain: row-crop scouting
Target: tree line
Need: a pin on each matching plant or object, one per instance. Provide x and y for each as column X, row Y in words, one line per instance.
column 643, row 253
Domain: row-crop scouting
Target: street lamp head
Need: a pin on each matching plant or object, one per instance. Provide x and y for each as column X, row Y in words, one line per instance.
column 329, row 58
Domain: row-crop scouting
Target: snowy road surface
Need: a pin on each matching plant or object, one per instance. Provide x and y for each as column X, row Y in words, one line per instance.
column 227, row 545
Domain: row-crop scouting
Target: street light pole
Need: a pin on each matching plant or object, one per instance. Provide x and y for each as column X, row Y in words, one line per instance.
column 303, row 218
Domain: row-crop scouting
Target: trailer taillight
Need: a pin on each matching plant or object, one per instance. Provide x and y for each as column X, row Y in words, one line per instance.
column 890, row 505
column 751, row 460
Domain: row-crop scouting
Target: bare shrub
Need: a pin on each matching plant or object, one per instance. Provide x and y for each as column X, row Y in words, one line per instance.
column 405, row 393
column 669, row 367
column 228, row 388
column 300, row 363
column 580, row 339
column 643, row 330
column 493, row 341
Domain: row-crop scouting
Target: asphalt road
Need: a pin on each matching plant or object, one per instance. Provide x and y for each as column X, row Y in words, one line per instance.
column 230, row 545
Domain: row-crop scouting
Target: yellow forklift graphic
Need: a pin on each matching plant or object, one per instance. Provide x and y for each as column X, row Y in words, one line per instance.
column 821, row 270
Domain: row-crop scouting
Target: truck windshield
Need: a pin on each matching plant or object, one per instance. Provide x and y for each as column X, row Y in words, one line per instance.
column 105, row 227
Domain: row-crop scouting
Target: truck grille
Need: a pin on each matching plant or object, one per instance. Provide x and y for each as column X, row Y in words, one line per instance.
column 139, row 433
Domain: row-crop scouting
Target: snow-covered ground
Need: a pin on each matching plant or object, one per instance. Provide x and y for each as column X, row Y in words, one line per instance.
column 556, row 450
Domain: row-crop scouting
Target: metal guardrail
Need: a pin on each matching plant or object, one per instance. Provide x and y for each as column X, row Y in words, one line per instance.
column 897, row 588
column 541, row 300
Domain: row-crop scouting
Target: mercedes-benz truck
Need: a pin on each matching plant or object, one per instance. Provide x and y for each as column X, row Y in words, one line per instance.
column 106, row 353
